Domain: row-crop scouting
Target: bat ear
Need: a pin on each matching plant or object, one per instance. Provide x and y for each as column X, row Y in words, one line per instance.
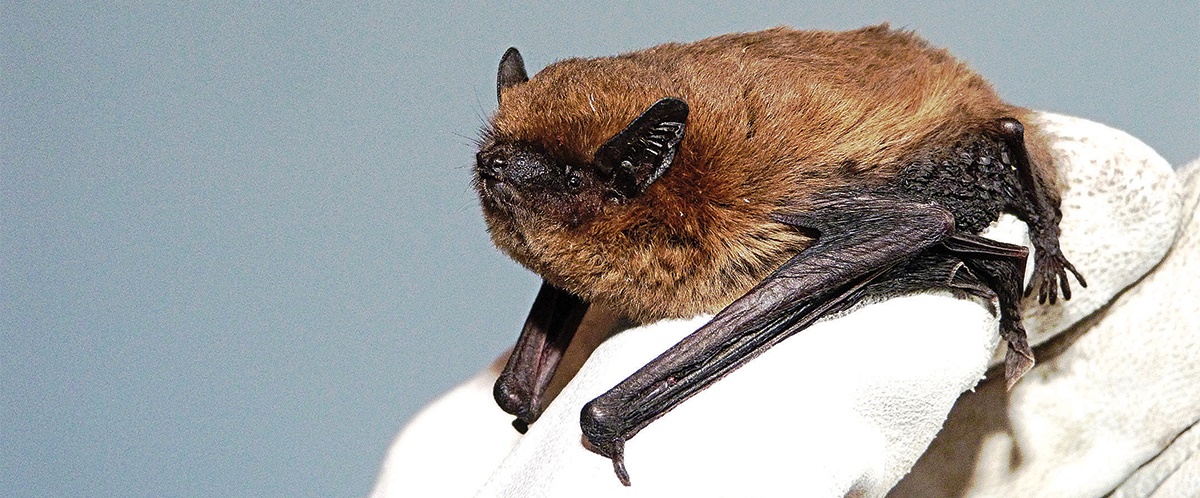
column 512, row 71
column 642, row 152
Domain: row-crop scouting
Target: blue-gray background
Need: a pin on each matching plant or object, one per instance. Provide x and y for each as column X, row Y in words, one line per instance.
column 239, row 245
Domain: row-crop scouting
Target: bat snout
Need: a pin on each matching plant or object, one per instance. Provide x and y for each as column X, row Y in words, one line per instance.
column 490, row 166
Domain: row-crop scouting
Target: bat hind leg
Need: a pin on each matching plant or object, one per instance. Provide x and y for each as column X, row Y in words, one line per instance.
column 978, row 267
column 1001, row 268
column 1042, row 214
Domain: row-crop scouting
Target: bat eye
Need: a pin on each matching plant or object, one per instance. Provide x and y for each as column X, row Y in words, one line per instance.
column 573, row 182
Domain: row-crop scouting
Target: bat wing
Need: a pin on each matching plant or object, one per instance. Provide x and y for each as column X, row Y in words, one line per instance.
column 862, row 236
column 552, row 322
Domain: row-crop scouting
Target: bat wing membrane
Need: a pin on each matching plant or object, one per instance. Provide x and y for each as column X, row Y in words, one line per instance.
column 862, row 236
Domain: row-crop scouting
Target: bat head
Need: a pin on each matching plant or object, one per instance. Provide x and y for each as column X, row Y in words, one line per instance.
column 585, row 177
column 538, row 175
column 541, row 176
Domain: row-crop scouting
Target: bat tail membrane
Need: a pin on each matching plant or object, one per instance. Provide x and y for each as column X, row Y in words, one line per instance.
column 1002, row 268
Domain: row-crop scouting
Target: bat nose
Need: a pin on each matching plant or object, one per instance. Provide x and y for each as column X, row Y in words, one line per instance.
column 490, row 165
column 510, row 167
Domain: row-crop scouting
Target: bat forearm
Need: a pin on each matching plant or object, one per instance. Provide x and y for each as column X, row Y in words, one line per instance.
column 552, row 322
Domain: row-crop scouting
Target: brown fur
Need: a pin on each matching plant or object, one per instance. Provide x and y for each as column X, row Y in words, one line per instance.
column 776, row 116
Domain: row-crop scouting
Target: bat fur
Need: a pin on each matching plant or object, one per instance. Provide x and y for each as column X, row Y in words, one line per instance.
column 776, row 116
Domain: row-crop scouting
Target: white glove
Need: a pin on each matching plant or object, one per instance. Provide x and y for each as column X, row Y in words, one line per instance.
column 843, row 408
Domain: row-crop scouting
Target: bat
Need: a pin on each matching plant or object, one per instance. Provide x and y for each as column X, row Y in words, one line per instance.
column 772, row 178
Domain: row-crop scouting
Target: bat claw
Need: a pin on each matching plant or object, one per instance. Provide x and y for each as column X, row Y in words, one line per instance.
column 1065, row 285
column 601, row 431
column 615, row 450
column 618, row 461
column 1071, row 268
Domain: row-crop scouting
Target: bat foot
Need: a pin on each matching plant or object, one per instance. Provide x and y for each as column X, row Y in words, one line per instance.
column 1050, row 270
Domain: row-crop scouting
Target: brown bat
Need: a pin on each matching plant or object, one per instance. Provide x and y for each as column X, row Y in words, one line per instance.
column 772, row 178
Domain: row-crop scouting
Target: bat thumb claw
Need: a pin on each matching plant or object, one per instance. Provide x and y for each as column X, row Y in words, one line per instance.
column 618, row 461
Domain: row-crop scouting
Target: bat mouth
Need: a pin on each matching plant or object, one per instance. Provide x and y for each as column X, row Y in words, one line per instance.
column 498, row 195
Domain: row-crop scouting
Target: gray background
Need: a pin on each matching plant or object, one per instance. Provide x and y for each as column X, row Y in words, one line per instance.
column 239, row 245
